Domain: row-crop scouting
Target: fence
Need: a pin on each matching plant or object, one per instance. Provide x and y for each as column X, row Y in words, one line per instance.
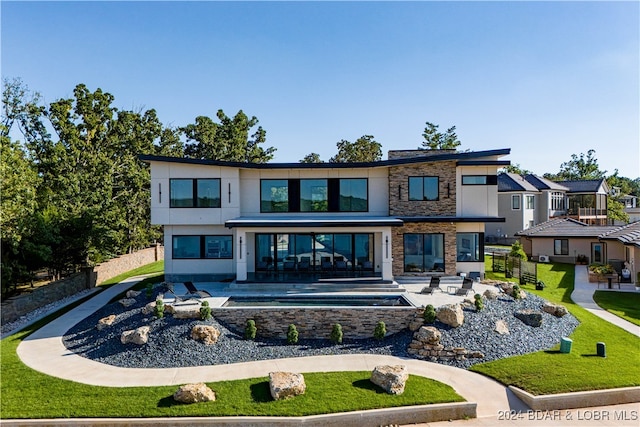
column 514, row 267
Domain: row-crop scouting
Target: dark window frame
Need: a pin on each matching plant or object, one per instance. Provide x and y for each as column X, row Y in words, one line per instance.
column 564, row 246
column 194, row 193
column 519, row 199
column 480, row 239
column 202, row 246
column 488, row 179
column 424, row 177
column 423, row 270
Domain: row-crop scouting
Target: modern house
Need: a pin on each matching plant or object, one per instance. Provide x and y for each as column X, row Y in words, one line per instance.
column 421, row 212
column 525, row 201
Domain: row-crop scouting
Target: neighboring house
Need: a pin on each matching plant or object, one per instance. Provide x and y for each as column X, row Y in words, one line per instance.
column 422, row 212
column 587, row 200
column 525, row 201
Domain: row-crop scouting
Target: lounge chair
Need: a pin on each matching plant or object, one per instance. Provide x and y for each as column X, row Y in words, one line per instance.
column 433, row 285
column 192, row 292
column 467, row 286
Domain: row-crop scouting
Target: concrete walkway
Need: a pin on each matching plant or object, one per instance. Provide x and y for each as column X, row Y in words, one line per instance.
column 45, row 352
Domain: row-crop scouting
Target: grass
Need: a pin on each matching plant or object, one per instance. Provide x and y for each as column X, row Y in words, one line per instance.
column 549, row 372
column 625, row 305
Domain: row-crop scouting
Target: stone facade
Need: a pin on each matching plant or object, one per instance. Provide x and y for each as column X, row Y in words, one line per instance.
column 446, row 228
column 128, row 262
column 316, row 322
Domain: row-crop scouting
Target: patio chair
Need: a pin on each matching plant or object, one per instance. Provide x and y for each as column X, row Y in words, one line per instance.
column 467, row 286
column 192, row 290
column 341, row 267
column 189, row 295
column 434, row 284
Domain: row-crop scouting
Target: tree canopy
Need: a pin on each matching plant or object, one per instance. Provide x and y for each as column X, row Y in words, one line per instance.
column 364, row 149
column 434, row 140
column 580, row 167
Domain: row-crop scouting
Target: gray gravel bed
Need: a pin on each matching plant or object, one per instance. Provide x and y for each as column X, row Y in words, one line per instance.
column 170, row 344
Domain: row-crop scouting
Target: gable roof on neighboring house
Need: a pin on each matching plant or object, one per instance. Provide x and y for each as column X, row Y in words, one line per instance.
column 586, row 186
column 544, row 184
column 513, row 182
column 566, row 227
column 627, row 234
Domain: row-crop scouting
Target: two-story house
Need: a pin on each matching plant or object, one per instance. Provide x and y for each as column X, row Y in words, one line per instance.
column 420, row 212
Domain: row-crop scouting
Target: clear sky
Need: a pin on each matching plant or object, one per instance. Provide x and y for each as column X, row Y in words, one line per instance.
column 546, row 79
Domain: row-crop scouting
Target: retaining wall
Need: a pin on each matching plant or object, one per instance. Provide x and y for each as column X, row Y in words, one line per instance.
column 317, row 322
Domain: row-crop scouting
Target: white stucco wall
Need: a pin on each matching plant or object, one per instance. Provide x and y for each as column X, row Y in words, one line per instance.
column 476, row 200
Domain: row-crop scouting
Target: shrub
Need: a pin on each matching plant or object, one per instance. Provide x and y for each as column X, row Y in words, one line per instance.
column 292, row 334
column 429, row 314
column 517, row 251
column 336, row 333
column 149, row 290
column 478, row 302
column 205, row 311
column 601, row 268
column 380, row 331
column 250, row 330
column 159, row 309
column 515, row 293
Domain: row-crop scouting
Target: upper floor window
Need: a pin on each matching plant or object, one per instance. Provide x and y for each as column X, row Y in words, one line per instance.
column 194, row 193
column 529, row 202
column 515, row 202
column 557, row 201
column 314, row 195
column 479, row 180
column 423, row 188
column 274, row 195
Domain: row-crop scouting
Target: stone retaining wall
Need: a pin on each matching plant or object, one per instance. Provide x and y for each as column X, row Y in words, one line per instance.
column 20, row 305
column 316, row 322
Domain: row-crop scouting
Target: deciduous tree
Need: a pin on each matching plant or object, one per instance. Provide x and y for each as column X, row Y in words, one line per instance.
column 364, row 149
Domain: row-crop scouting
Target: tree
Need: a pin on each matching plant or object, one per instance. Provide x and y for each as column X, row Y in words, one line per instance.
column 364, row 149
column 312, row 158
column 228, row 140
column 434, row 140
column 578, row 168
column 515, row 168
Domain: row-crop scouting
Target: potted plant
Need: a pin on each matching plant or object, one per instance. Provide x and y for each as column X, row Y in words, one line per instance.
column 582, row 260
column 540, row 285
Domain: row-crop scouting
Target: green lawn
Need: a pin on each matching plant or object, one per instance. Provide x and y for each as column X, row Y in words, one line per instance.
column 622, row 304
column 152, row 268
column 548, row 372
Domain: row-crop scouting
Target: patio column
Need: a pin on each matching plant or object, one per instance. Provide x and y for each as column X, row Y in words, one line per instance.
column 241, row 255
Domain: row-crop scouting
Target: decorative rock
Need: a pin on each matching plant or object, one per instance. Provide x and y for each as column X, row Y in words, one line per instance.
column 391, row 378
column 194, row 393
column 491, row 294
column 428, row 334
column 191, row 311
column 132, row 294
column 127, row 302
column 501, row 327
column 476, row 354
column 416, row 323
column 138, row 336
column 530, row 317
column 450, row 314
column 284, row 385
column 106, row 321
column 555, row 309
column 206, row 333
column 150, row 308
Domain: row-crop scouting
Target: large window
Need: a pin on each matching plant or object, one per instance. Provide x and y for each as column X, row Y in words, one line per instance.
column 470, row 247
column 274, row 195
column 423, row 188
column 194, row 193
column 423, row 252
column 529, row 202
column 314, row 195
column 479, row 180
column 353, row 195
column 561, row 247
column 557, row 201
column 200, row 247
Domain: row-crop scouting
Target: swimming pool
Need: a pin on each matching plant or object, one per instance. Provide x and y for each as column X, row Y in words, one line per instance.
column 319, row 301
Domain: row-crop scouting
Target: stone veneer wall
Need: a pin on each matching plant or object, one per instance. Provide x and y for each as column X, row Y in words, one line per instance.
column 128, row 262
column 316, row 322
column 446, row 228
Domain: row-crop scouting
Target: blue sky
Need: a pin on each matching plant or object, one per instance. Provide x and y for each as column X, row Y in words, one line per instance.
column 546, row 79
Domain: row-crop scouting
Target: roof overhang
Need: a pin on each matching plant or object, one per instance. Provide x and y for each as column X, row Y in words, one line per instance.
column 313, row 222
column 408, row 219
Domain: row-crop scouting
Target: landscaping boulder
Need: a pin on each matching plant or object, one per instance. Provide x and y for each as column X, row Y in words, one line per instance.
column 285, row 385
column 132, row 294
column 450, row 314
column 127, row 302
column 391, row 378
column 151, row 307
column 191, row 311
column 207, row 333
column 194, row 393
column 530, row 317
column 416, row 322
column 106, row 321
column 491, row 294
column 428, row 335
column 555, row 309
column 138, row 336
column 501, row 327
